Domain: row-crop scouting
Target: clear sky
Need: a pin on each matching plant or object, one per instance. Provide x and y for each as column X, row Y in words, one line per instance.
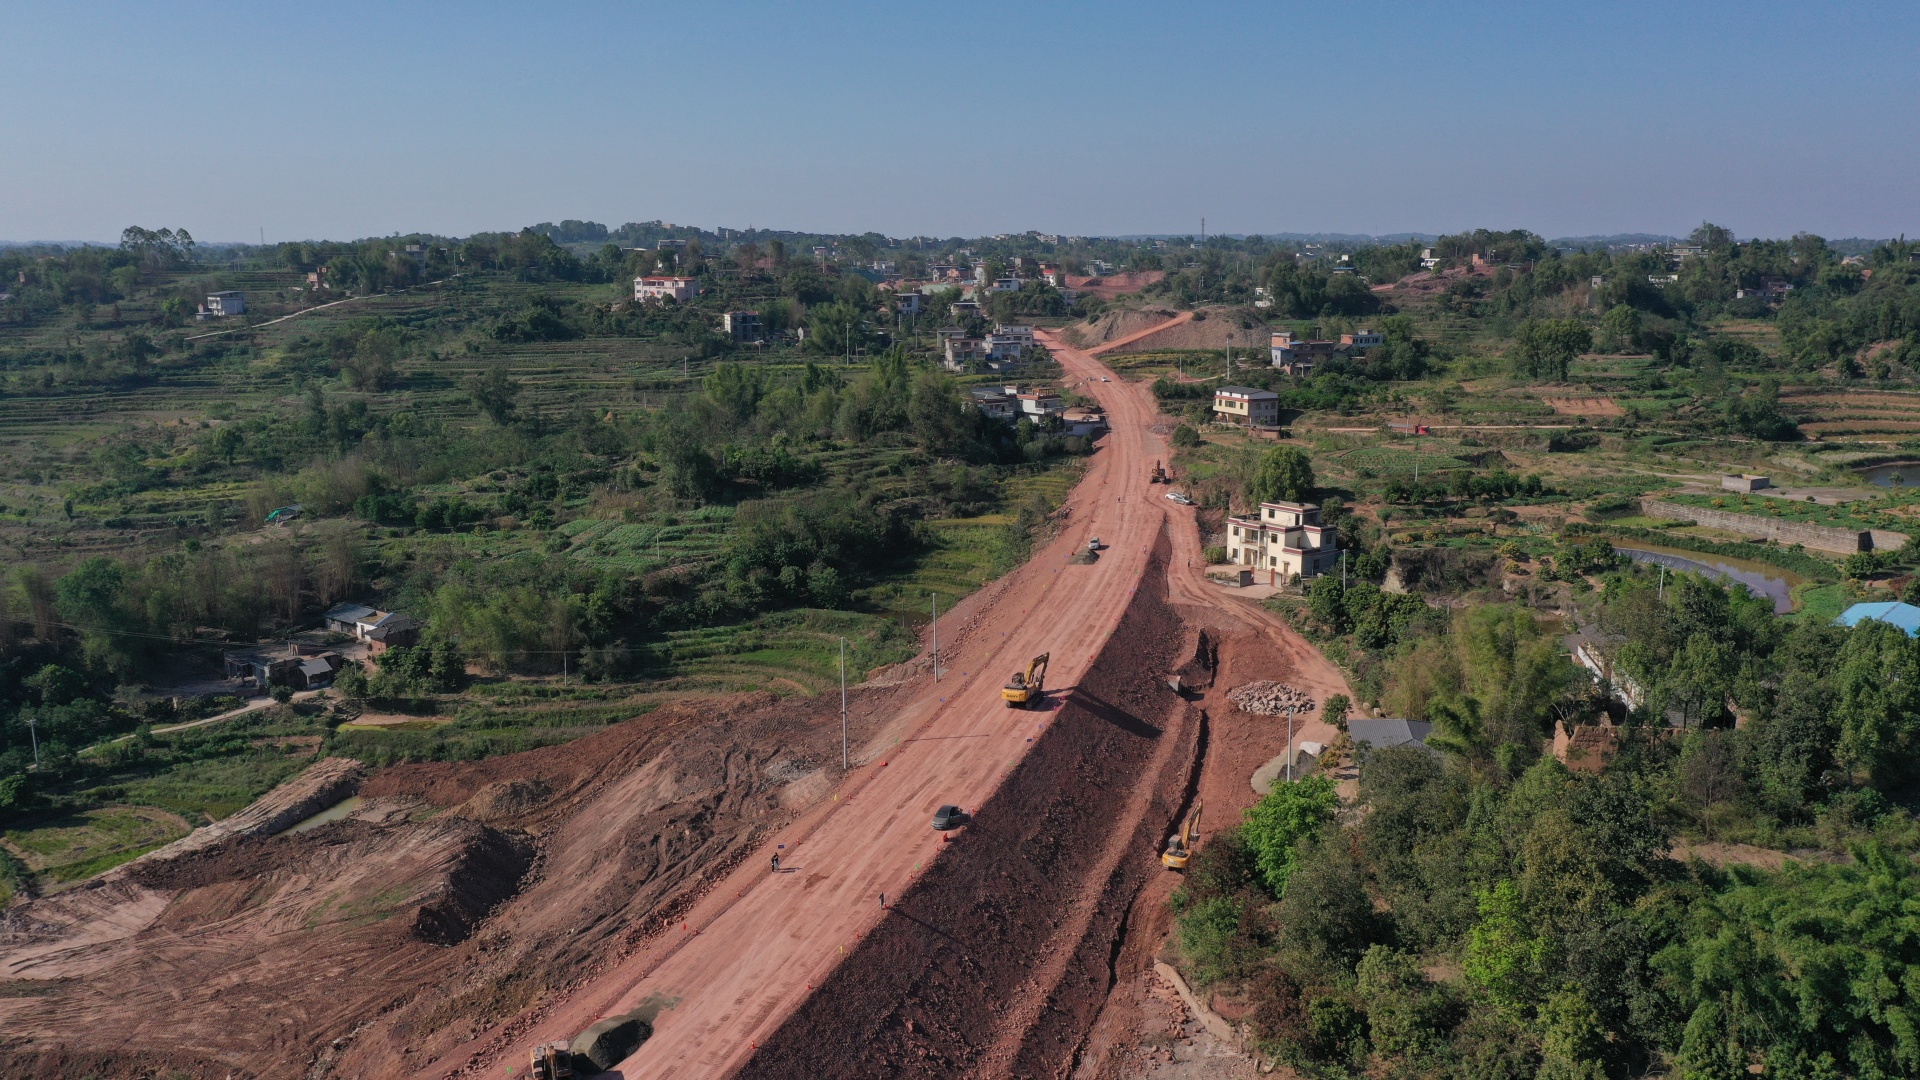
column 342, row 120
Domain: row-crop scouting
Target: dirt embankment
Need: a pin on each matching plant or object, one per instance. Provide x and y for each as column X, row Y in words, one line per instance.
column 999, row 957
column 363, row 948
column 1156, row 329
column 1116, row 285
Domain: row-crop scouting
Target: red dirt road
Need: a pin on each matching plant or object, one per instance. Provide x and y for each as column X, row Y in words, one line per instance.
column 754, row 946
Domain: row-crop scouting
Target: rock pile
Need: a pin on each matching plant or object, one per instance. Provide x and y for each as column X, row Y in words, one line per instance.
column 1266, row 698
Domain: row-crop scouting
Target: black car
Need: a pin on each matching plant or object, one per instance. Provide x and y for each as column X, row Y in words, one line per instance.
column 949, row 817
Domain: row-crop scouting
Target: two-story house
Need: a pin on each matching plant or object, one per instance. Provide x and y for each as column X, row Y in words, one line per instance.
column 665, row 288
column 1285, row 539
column 1246, row 405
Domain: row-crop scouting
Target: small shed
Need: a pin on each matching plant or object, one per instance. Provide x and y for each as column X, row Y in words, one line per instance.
column 1380, row 734
column 1745, row 482
column 1904, row 616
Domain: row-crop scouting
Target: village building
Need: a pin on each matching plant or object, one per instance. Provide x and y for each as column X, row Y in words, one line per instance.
column 742, row 326
column 666, row 288
column 1286, row 539
column 1246, row 405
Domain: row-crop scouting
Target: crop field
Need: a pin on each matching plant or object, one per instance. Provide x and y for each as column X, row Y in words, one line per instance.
column 1388, row 459
column 1866, row 415
column 1898, row 510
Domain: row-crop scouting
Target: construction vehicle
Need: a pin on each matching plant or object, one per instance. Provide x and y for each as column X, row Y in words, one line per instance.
column 551, row 1061
column 1027, row 688
column 1181, row 844
column 1159, row 475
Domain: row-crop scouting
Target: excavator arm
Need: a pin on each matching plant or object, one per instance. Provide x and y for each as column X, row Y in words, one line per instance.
column 1026, row 687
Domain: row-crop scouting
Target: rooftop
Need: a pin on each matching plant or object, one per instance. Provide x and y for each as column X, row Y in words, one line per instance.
column 1904, row 616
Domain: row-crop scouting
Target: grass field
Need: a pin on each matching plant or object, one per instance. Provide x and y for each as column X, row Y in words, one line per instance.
column 76, row 846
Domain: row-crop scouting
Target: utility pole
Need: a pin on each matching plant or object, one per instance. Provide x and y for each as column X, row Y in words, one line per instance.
column 844, row 760
column 1663, row 582
column 1289, row 746
column 936, row 637
column 33, row 732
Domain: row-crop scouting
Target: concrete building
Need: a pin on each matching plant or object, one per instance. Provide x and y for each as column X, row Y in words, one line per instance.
column 995, row 402
column 910, row 302
column 1001, row 346
column 679, row 289
column 1021, row 334
column 295, row 665
column 1246, row 405
column 1362, row 340
column 961, row 352
column 359, row 621
column 1040, row 404
column 1284, row 539
column 223, row 304
column 742, row 325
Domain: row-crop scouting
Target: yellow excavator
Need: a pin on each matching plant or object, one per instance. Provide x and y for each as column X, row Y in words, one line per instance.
column 551, row 1061
column 1181, row 844
column 1027, row 688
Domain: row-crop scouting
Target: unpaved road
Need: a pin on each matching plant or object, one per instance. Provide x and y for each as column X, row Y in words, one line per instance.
column 751, row 950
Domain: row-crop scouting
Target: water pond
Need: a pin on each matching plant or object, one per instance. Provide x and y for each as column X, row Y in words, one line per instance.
column 1883, row 475
column 1760, row 578
column 336, row 812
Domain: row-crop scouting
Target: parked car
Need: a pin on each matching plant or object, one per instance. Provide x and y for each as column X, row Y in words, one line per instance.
column 949, row 817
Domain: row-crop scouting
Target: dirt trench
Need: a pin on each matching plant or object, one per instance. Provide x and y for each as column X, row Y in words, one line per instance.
column 998, row 959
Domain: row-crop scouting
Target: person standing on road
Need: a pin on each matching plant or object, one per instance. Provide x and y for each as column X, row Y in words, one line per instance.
column 883, row 901
column 776, row 863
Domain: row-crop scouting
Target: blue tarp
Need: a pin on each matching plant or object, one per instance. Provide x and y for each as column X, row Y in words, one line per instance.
column 1904, row 616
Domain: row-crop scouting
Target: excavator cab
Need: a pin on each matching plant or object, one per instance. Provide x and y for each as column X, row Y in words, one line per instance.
column 1181, row 844
column 551, row 1061
column 1027, row 688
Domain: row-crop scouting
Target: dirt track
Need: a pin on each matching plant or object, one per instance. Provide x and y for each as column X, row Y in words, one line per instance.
column 475, row 908
column 751, row 949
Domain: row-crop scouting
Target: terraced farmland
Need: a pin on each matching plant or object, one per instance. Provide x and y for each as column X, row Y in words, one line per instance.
column 1867, row 415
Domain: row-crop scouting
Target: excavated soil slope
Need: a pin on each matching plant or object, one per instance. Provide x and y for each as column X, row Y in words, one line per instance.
column 358, row 949
column 998, row 958
column 1205, row 328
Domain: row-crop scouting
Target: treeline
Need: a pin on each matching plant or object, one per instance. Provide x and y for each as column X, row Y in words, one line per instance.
column 1480, row 911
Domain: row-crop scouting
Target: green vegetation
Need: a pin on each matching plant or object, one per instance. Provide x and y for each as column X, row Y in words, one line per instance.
column 1485, row 912
column 595, row 502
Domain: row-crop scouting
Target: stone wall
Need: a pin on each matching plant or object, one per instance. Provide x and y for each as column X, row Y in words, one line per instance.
column 1825, row 538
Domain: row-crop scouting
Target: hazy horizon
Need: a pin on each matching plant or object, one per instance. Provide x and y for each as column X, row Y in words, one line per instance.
column 1083, row 119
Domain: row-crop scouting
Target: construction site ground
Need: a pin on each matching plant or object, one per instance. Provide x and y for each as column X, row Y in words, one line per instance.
column 464, row 912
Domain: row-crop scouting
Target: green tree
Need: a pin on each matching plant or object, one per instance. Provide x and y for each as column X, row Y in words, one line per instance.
column 1504, row 958
column 1620, row 329
column 1280, row 820
column 227, row 441
column 1285, row 474
column 495, row 394
column 1546, row 348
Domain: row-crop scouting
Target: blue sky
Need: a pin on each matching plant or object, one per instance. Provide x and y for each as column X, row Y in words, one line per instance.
column 345, row 119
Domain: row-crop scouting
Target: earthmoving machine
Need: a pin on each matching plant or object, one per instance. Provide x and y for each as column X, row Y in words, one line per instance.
column 1027, row 688
column 1181, row 844
column 551, row 1061
column 1159, row 475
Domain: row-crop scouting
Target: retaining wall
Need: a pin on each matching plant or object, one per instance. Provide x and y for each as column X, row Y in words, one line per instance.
column 1823, row 537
